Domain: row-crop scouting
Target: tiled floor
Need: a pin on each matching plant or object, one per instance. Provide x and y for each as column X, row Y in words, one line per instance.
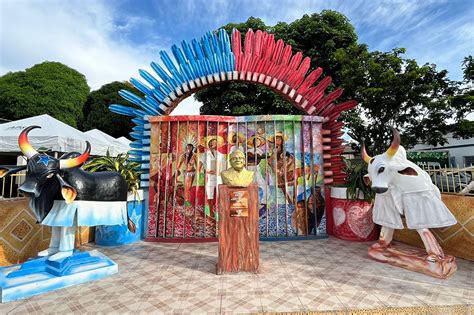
column 313, row 275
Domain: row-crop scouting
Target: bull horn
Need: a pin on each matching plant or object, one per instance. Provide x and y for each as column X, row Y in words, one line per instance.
column 24, row 144
column 395, row 143
column 64, row 164
column 364, row 154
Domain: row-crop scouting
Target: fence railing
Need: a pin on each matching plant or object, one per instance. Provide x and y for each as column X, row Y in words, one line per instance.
column 9, row 186
column 453, row 179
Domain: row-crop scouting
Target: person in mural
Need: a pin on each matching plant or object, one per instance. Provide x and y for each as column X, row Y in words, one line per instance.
column 282, row 164
column 215, row 163
column 189, row 160
column 308, row 213
column 237, row 141
column 255, row 154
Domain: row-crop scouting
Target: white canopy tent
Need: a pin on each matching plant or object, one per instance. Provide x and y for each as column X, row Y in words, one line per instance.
column 116, row 146
column 124, row 141
column 54, row 135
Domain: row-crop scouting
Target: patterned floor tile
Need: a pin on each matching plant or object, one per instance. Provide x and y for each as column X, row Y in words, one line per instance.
column 113, row 304
column 171, row 286
column 276, row 271
column 36, row 307
column 358, row 299
column 397, row 299
column 159, row 304
column 77, row 305
column 198, row 285
column 174, row 272
column 308, row 284
column 10, row 306
column 323, row 300
column 276, row 285
column 239, row 285
column 240, row 303
column 281, row 302
column 56, row 295
column 343, row 282
column 201, row 302
column 438, row 298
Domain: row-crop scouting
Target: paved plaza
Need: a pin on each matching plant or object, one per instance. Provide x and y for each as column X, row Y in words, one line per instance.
column 296, row 276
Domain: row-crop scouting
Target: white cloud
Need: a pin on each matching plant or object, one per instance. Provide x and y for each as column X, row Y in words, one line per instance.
column 189, row 106
column 79, row 35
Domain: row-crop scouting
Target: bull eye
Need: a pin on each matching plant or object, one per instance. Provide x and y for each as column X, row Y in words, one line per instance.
column 381, row 170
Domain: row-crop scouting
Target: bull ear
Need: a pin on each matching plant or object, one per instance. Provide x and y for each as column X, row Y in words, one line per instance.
column 367, row 180
column 408, row 171
column 68, row 192
column 10, row 169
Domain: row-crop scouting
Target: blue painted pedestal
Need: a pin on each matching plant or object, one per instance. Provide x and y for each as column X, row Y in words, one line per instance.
column 38, row 275
column 113, row 235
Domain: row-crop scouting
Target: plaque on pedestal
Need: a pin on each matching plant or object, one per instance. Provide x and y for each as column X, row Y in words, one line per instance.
column 238, row 229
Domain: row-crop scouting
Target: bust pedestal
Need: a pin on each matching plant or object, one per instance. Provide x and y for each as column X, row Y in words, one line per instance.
column 238, row 229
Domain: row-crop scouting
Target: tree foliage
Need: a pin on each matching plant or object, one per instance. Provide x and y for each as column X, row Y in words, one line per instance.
column 47, row 88
column 468, row 69
column 397, row 92
column 97, row 114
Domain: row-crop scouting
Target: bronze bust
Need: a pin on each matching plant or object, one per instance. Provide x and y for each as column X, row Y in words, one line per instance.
column 237, row 175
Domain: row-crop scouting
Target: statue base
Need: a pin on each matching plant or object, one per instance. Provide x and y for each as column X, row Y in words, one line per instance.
column 414, row 259
column 238, row 229
column 39, row 275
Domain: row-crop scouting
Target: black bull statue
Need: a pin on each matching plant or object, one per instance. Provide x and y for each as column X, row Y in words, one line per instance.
column 49, row 179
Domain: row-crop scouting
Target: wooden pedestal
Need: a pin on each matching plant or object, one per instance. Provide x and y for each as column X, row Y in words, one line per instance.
column 238, row 229
column 414, row 259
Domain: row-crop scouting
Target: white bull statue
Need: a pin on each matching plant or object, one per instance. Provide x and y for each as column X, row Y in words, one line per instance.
column 403, row 188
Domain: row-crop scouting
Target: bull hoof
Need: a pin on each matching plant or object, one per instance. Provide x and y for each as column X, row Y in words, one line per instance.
column 48, row 252
column 60, row 255
column 433, row 258
column 379, row 245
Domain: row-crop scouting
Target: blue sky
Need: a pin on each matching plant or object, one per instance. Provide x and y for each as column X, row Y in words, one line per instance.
column 111, row 40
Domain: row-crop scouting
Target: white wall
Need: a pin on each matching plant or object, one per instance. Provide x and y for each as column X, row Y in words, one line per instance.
column 458, row 148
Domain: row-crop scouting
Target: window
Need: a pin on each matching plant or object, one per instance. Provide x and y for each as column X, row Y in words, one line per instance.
column 469, row 160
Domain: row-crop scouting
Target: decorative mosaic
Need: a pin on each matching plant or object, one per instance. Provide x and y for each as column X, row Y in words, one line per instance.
column 21, row 237
column 457, row 240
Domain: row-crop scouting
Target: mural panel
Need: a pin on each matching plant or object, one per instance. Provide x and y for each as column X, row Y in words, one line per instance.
column 188, row 153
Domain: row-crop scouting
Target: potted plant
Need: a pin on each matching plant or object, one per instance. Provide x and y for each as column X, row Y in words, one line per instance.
column 352, row 206
column 119, row 234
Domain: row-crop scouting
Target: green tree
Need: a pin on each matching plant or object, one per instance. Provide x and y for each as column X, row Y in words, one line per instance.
column 465, row 99
column 97, row 114
column 397, row 92
column 47, row 88
column 468, row 69
column 317, row 36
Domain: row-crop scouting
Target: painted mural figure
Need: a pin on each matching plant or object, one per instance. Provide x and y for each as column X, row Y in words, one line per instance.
column 255, row 155
column 215, row 163
column 282, row 164
column 237, row 141
column 189, row 160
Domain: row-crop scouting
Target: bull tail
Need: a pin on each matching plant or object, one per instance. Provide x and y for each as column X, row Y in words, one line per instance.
column 131, row 226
